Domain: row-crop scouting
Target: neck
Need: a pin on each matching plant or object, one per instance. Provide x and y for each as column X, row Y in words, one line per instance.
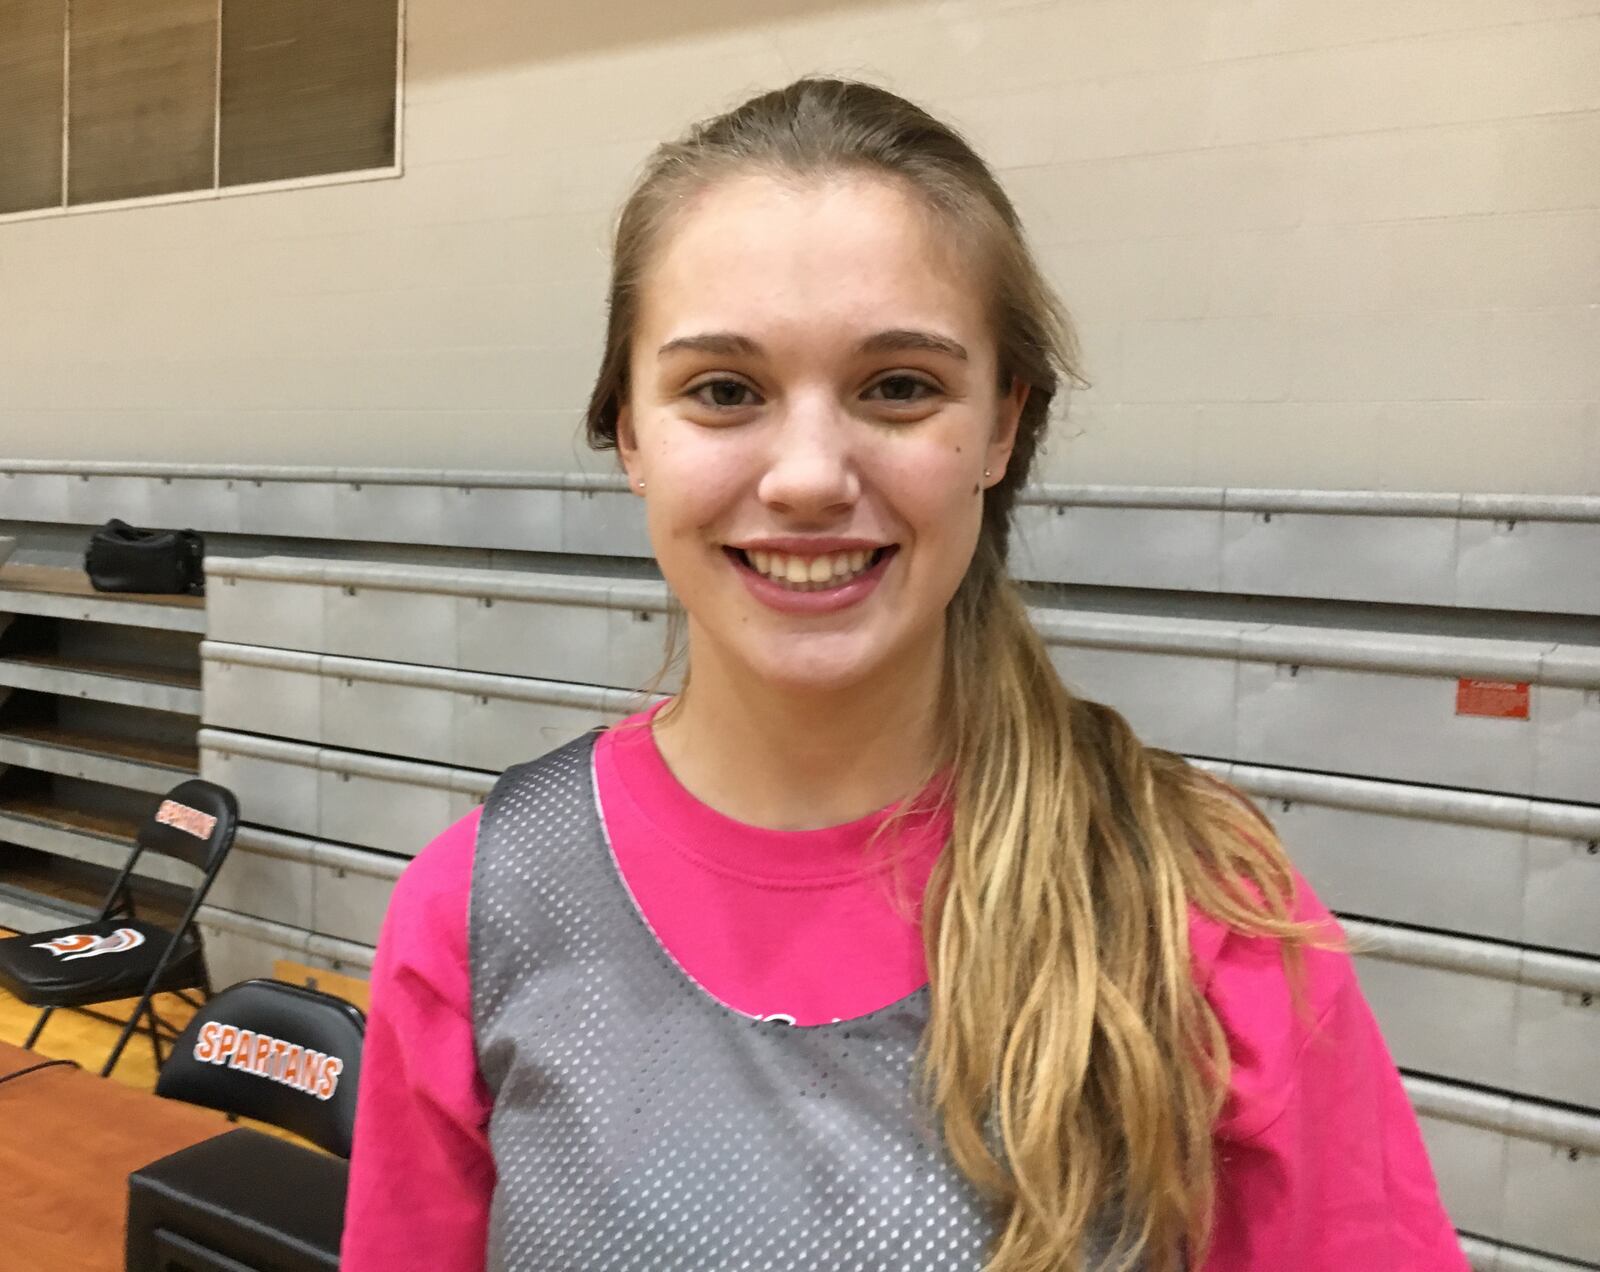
column 789, row 758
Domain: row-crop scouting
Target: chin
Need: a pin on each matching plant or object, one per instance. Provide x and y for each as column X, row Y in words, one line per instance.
column 817, row 671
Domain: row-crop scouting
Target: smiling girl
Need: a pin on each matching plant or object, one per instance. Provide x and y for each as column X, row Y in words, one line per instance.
column 874, row 947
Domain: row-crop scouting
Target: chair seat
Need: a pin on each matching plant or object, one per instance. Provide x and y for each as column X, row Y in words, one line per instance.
column 95, row 962
column 243, row 1200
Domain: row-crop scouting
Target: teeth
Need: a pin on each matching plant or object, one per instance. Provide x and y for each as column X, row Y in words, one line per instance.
column 807, row 574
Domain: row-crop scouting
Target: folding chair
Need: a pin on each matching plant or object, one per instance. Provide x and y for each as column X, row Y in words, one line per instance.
column 117, row 954
column 277, row 1053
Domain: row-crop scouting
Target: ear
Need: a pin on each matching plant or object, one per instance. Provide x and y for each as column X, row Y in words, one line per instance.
column 1004, row 438
column 628, row 447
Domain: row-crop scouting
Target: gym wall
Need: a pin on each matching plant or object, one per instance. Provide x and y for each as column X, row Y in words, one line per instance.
column 1309, row 246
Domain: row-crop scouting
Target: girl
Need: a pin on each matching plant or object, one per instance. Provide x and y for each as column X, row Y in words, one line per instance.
column 875, row 947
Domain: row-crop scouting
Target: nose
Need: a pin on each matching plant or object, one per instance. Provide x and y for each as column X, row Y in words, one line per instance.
column 811, row 467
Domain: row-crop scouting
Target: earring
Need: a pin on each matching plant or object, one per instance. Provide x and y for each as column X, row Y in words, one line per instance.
column 641, row 483
column 985, row 472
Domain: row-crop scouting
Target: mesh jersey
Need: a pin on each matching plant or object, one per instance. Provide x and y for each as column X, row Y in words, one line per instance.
column 640, row 1124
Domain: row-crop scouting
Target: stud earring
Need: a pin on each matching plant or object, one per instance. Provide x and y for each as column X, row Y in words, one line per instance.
column 985, row 472
column 641, row 483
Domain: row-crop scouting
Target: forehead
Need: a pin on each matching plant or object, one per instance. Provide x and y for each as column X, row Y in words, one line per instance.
column 795, row 258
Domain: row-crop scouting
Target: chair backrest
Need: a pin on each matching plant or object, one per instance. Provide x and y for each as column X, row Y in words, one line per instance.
column 276, row 1052
column 195, row 822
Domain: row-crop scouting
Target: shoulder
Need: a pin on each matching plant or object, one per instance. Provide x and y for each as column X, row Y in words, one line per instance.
column 1246, row 982
column 427, row 911
column 1218, row 952
column 555, row 765
column 444, row 866
column 555, row 781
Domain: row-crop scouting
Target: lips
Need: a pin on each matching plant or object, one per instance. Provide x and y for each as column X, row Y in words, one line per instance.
column 809, row 572
column 824, row 582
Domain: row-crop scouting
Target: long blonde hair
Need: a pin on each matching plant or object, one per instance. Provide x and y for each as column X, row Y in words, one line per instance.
column 1075, row 1065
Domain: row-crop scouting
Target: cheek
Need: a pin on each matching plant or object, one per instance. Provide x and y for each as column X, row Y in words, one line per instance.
column 932, row 490
column 692, row 476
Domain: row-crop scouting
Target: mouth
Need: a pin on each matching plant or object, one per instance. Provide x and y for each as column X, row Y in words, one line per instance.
column 826, row 572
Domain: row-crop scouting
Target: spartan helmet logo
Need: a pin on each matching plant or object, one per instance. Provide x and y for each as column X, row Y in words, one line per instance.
column 88, row 945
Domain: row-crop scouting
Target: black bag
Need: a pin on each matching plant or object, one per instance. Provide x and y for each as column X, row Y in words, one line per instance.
column 123, row 558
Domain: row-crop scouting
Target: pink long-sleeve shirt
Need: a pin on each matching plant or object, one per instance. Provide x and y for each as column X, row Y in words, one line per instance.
column 1320, row 1162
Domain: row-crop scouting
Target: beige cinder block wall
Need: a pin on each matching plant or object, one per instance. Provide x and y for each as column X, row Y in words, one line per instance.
column 1351, row 245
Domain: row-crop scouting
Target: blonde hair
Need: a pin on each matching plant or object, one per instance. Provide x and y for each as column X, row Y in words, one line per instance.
column 1076, row 1066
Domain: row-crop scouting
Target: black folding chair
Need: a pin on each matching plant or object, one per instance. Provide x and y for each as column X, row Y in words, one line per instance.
column 117, row 954
column 228, row 1057
column 278, row 1053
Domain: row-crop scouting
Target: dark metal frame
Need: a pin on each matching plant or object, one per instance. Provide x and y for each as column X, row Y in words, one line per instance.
column 119, row 904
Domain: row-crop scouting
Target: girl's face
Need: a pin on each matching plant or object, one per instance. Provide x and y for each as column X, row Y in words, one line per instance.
column 813, row 406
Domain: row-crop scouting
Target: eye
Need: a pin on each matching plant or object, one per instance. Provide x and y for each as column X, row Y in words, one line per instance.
column 904, row 389
column 724, row 394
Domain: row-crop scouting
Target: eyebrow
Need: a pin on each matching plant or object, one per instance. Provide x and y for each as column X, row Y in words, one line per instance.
column 731, row 344
column 895, row 340
column 724, row 343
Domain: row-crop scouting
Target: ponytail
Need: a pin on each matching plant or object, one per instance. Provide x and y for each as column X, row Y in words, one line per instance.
column 1076, row 1066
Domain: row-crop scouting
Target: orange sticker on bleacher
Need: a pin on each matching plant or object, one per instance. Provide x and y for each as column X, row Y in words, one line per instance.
column 1500, row 699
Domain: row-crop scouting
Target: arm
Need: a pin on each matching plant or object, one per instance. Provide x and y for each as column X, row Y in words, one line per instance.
column 421, row 1173
column 1320, row 1162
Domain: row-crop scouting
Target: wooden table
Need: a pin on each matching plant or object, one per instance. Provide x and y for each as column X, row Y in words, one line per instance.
column 15, row 1059
column 68, row 1141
